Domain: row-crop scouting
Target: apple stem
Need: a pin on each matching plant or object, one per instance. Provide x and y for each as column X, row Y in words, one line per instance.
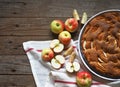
column 57, row 24
column 84, row 77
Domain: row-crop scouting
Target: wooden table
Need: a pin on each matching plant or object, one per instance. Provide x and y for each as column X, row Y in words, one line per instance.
column 25, row 20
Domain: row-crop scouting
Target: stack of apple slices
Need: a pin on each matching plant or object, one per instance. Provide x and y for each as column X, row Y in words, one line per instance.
column 71, row 66
column 58, row 61
column 57, row 56
column 53, row 54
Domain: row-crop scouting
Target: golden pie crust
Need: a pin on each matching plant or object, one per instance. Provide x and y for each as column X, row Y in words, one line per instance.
column 100, row 43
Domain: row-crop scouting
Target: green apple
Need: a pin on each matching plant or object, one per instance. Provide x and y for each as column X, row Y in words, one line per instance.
column 83, row 79
column 65, row 37
column 47, row 54
column 71, row 25
column 57, row 26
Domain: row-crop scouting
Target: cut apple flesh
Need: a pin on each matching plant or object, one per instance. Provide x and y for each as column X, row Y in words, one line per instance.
column 84, row 45
column 54, row 43
column 69, row 67
column 60, row 59
column 76, row 66
column 59, row 48
column 55, row 64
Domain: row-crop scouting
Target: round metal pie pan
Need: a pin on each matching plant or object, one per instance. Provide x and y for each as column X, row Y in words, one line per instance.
column 82, row 55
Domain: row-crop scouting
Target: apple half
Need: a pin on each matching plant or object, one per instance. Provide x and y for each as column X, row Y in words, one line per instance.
column 59, row 48
column 58, row 61
column 54, row 43
column 56, row 46
column 72, row 67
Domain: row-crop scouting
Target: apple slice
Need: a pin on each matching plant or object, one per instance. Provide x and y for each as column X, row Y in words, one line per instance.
column 69, row 67
column 68, row 51
column 59, row 48
column 76, row 15
column 58, row 61
column 54, row 43
column 84, row 18
column 72, row 66
column 76, row 66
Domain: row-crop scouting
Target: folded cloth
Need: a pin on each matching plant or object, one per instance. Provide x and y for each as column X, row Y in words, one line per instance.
column 47, row 76
column 63, row 79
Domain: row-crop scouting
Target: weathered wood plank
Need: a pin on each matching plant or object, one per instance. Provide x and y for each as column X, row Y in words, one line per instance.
column 53, row 8
column 17, row 81
column 27, row 26
column 13, row 44
column 15, row 31
column 14, row 64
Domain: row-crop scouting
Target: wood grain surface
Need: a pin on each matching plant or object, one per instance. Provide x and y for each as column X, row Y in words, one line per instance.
column 26, row 20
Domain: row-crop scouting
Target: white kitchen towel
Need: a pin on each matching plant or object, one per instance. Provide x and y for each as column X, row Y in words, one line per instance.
column 63, row 79
column 46, row 76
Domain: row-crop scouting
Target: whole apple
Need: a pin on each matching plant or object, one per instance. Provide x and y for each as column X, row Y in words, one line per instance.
column 71, row 25
column 65, row 37
column 83, row 79
column 57, row 26
column 47, row 54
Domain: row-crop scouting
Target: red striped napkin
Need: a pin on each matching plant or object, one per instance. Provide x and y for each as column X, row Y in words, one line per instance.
column 46, row 76
column 63, row 79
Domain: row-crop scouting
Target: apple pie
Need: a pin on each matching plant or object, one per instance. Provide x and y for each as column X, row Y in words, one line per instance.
column 100, row 43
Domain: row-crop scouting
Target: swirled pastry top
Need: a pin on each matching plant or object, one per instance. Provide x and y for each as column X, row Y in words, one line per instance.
column 101, row 43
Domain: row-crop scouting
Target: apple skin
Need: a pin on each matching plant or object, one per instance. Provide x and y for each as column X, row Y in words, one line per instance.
column 57, row 26
column 47, row 54
column 65, row 37
column 83, row 79
column 71, row 25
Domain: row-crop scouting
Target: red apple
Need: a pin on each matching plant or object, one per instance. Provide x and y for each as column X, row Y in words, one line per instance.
column 65, row 37
column 47, row 54
column 71, row 25
column 57, row 26
column 83, row 79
